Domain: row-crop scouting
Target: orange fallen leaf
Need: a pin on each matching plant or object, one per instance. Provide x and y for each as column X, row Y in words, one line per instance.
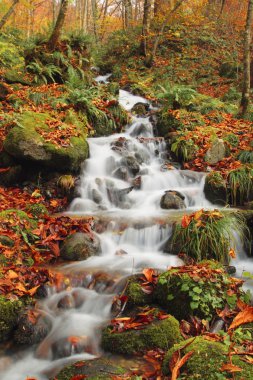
column 232, row 253
column 186, row 220
column 179, row 364
column 245, row 316
column 231, row 368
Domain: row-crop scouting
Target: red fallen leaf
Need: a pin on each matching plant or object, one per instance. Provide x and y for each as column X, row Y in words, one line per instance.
column 78, row 377
column 80, row 364
column 186, row 220
column 32, row 291
column 3, row 170
column 231, row 368
column 245, row 316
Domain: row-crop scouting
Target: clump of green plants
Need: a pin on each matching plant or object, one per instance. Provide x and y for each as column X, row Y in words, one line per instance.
column 240, row 182
column 43, row 73
column 208, row 235
column 37, row 210
column 246, row 157
column 177, row 96
column 232, row 139
column 200, row 290
column 184, row 148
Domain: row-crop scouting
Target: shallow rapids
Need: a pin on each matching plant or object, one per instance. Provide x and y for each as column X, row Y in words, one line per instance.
column 129, row 197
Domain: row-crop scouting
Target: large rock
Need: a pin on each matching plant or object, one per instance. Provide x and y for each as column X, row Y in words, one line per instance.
column 215, row 188
column 216, row 152
column 172, row 200
column 26, row 143
column 140, row 109
column 206, row 360
column 97, row 369
column 31, row 329
column 158, row 334
column 132, row 164
column 80, row 246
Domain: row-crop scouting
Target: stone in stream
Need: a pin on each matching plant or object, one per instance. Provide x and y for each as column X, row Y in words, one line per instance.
column 140, row 109
column 132, row 164
column 172, row 200
column 80, row 246
column 161, row 334
column 215, row 188
column 31, row 329
column 216, row 152
column 118, row 196
column 97, row 369
column 96, row 196
column 121, row 173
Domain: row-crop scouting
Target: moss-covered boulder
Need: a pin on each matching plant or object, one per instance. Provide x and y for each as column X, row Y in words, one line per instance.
column 135, row 293
column 31, row 329
column 97, row 369
column 6, row 241
column 158, row 334
column 167, row 122
column 30, row 140
column 9, row 312
column 198, row 290
column 215, row 188
column 80, row 246
column 206, row 361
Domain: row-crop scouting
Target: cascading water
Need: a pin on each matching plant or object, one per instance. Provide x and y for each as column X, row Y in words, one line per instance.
column 122, row 182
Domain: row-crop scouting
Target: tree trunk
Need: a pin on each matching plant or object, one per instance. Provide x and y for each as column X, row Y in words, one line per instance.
column 128, row 13
column 145, row 27
column 94, row 17
column 8, row 13
column 246, row 62
column 55, row 36
column 158, row 37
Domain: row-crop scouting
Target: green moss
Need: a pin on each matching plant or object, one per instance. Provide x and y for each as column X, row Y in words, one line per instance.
column 159, row 334
column 37, row 209
column 196, row 293
column 9, row 311
column 14, row 216
column 97, row 369
column 206, row 361
column 26, row 144
column 135, row 294
column 10, row 56
column 6, row 241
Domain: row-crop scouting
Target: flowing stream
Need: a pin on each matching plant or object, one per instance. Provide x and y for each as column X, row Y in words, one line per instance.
column 121, row 186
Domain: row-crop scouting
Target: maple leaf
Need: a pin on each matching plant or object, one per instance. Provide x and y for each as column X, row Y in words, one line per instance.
column 148, row 273
column 179, row 364
column 245, row 316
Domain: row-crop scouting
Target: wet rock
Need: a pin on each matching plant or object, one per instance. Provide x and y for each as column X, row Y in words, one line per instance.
column 80, row 246
column 68, row 346
column 172, row 200
column 136, row 183
column 31, row 329
column 66, row 302
column 141, row 130
column 141, row 156
column 158, row 334
column 118, row 196
column 140, row 109
column 110, row 164
column 96, row 196
column 216, row 152
column 99, row 369
column 132, row 164
column 230, row 269
column 121, row 173
column 215, row 188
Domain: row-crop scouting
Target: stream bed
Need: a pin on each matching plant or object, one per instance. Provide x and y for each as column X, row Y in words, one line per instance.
column 127, row 202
